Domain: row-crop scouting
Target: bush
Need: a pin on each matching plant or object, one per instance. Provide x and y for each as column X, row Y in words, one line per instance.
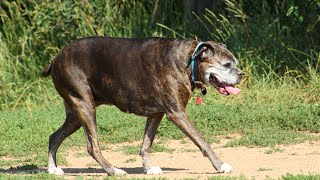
column 272, row 39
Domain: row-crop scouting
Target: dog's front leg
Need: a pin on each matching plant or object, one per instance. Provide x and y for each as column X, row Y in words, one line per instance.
column 181, row 120
column 149, row 134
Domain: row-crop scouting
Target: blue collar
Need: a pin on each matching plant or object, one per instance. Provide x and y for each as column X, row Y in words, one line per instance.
column 192, row 60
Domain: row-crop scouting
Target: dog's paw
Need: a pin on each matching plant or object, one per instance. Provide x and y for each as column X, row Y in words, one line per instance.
column 119, row 172
column 225, row 168
column 56, row 171
column 154, row 170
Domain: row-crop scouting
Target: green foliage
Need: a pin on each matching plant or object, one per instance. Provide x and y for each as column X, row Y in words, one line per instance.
column 31, row 176
column 262, row 116
column 273, row 150
column 271, row 38
column 265, row 36
column 227, row 178
column 300, row 177
column 277, row 43
column 25, row 134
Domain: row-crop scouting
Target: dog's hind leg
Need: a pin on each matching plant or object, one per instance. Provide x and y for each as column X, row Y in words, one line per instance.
column 70, row 126
column 149, row 134
column 84, row 107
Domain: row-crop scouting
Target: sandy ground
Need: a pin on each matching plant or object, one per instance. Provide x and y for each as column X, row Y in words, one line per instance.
column 186, row 161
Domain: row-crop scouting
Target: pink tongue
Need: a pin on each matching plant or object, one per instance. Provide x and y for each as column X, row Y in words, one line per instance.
column 232, row 90
column 229, row 90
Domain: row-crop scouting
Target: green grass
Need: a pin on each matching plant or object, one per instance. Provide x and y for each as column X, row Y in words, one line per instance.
column 32, row 33
column 274, row 150
column 41, row 176
column 263, row 116
column 301, row 177
column 264, row 169
column 279, row 103
column 36, row 176
column 136, row 149
column 131, row 160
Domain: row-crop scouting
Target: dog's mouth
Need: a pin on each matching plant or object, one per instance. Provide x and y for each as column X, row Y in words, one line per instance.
column 223, row 88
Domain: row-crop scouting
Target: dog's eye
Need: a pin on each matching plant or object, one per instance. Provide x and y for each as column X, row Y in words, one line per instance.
column 227, row 65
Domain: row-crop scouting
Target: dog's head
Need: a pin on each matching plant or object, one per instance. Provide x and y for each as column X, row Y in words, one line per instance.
column 218, row 67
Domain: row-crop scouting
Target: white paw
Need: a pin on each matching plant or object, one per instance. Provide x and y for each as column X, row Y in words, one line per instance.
column 225, row 168
column 154, row 170
column 57, row 171
column 119, row 172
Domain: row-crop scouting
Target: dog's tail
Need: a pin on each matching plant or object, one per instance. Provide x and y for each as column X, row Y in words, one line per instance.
column 46, row 71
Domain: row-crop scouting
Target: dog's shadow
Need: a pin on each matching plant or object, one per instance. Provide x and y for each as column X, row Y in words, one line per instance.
column 132, row 170
column 32, row 169
column 26, row 169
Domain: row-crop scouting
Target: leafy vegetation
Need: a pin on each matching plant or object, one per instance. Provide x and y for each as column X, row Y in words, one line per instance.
column 41, row 176
column 272, row 39
column 24, row 134
column 31, row 176
column 277, row 43
column 300, row 177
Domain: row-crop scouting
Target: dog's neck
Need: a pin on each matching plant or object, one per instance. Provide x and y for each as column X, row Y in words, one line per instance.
column 183, row 51
column 186, row 50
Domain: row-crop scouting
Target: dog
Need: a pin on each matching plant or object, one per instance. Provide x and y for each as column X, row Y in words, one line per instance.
column 149, row 77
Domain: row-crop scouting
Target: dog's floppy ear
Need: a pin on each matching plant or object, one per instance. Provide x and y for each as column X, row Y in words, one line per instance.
column 204, row 51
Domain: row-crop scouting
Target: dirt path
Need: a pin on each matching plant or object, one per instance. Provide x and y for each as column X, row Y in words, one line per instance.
column 186, row 161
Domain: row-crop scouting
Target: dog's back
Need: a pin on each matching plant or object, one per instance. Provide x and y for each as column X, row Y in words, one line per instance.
column 129, row 73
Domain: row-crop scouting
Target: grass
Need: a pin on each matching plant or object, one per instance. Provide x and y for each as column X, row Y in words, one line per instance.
column 35, row 176
column 279, row 103
column 274, row 150
column 263, row 116
column 300, row 177
column 40, row 176
column 17, row 92
column 31, row 34
column 264, row 169
column 136, row 149
column 130, row 160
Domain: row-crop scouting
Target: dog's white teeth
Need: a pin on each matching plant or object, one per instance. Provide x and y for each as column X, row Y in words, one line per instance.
column 56, row 171
column 154, row 170
column 225, row 168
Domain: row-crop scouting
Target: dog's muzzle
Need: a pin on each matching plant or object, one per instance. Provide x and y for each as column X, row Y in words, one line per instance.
column 223, row 88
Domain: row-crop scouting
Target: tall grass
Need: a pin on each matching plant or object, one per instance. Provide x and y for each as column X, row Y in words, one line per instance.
column 274, row 40
column 17, row 91
column 267, row 37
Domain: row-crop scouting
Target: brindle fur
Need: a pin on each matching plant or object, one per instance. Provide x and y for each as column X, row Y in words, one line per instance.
column 148, row 77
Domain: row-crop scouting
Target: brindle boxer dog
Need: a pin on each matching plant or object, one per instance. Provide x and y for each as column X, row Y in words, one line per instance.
column 148, row 77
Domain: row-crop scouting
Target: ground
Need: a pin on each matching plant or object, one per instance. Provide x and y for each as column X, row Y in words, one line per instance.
column 186, row 161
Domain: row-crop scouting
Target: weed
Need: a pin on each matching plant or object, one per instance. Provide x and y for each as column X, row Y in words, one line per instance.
column 189, row 150
column 81, row 154
column 255, row 115
column 264, row 169
column 279, row 101
column 154, row 148
column 300, row 177
column 130, row 160
column 37, row 176
column 92, row 164
column 161, row 148
column 31, row 34
column 130, row 150
column 273, row 150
